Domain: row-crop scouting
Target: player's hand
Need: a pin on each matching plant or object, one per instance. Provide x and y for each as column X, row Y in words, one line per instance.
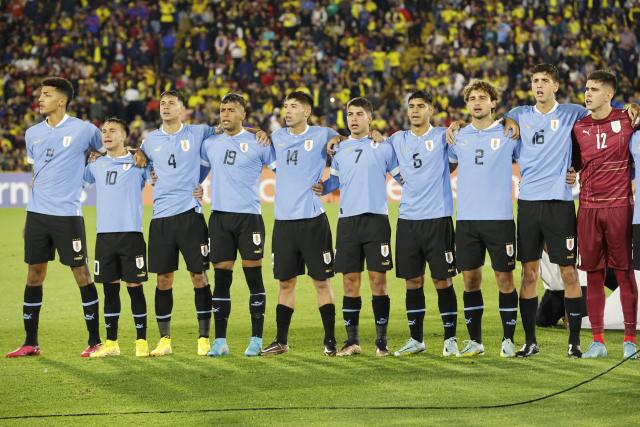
column 263, row 138
column 333, row 145
column 198, row 193
column 154, row 177
column 633, row 111
column 511, row 125
column 572, row 177
column 452, row 131
column 93, row 156
column 376, row 136
column 139, row 158
column 317, row 188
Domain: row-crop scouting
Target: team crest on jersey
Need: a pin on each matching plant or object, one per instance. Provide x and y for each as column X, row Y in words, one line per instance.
column 96, row 267
column 615, row 126
column 244, row 147
column 326, row 257
column 126, row 166
column 308, row 144
column 185, row 145
column 76, row 244
column 509, row 248
column 66, row 141
column 495, row 143
column 384, row 250
column 429, row 144
column 571, row 243
column 204, row 249
column 257, row 239
column 555, row 124
column 140, row 262
column 448, row 256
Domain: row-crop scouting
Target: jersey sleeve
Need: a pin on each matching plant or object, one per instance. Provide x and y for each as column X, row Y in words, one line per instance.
column 88, row 174
column 517, row 145
column 29, row 144
column 204, row 156
column 95, row 139
column 453, row 156
column 514, row 114
column 579, row 111
column 268, row 157
column 393, row 167
column 335, row 168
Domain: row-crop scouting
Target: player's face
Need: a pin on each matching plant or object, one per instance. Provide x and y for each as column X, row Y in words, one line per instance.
column 419, row 112
column 50, row 100
column 113, row 136
column 479, row 104
column 597, row 95
column 544, row 88
column 231, row 116
column 358, row 120
column 170, row 108
column 295, row 112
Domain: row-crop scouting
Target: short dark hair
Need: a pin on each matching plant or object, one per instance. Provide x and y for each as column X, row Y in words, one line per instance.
column 422, row 94
column 361, row 102
column 173, row 92
column 234, row 97
column 300, row 96
column 122, row 123
column 549, row 69
column 62, row 85
column 480, row 85
column 605, row 77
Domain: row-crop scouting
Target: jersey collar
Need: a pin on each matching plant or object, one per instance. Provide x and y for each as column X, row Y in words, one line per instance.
column 554, row 108
column 494, row 124
column 298, row 134
column 64, row 119
column 424, row 134
column 242, row 130
column 176, row 132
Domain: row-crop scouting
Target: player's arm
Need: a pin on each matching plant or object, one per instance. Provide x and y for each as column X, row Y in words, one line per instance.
column 576, row 155
column 205, row 163
column 393, row 166
column 633, row 111
column 261, row 136
column 331, row 184
column 453, row 157
column 268, row 157
column 88, row 176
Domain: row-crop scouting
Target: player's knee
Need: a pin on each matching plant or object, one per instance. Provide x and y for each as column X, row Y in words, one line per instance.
column 165, row 281
column 472, row 280
column 529, row 277
column 442, row 284
column 378, row 284
column 415, row 283
column 287, row 286
column 569, row 276
column 36, row 274
column 82, row 275
column 505, row 282
column 199, row 280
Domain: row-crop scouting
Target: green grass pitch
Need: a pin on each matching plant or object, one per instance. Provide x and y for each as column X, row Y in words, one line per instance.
column 179, row 389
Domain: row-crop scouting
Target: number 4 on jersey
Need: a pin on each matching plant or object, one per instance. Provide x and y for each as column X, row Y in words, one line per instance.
column 172, row 160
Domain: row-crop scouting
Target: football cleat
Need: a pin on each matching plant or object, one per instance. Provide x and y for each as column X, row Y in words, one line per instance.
column 574, row 351
column 528, row 350
column 275, row 348
column 254, row 348
column 219, row 348
column 381, row 348
column 109, row 348
column 203, row 346
column 142, row 348
column 349, row 349
column 508, row 348
column 450, row 347
column 330, row 348
column 410, row 347
column 596, row 350
column 630, row 350
column 163, row 348
column 25, row 350
column 472, row 348
column 90, row 349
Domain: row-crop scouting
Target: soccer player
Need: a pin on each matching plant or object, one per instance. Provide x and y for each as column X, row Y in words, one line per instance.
column 121, row 251
column 484, row 218
column 236, row 224
column 359, row 170
column 605, row 213
column 425, row 229
column 301, row 233
column 57, row 147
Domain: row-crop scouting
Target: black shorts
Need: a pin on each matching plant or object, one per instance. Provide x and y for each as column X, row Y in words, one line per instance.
column 422, row 241
column 360, row 237
column 299, row 242
column 474, row 237
column 46, row 234
column 547, row 221
column 120, row 256
column 636, row 246
column 231, row 232
column 184, row 233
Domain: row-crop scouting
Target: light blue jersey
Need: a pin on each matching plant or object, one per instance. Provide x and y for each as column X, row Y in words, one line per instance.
column 58, row 155
column 545, row 154
column 424, row 166
column 236, row 162
column 301, row 160
column 485, row 173
column 361, row 166
column 119, row 185
column 634, row 146
column 176, row 161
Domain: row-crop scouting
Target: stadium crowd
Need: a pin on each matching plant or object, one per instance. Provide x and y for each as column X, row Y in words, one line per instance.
column 121, row 59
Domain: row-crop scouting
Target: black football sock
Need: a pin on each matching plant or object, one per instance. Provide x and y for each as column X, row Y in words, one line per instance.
column 351, row 314
column 202, row 299
column 139, row 311
column 508, row 306
column 574, row 312
column 473, row 310
column 448, row 307
column 111, row 309
column 381, row 306
column 283, row 320
column 164, row 306
column 91, row 310
column 221, row 300
column 528, row 310
column 257, row 299
column 415, row 306
column 31, row 313
column 328, row 315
